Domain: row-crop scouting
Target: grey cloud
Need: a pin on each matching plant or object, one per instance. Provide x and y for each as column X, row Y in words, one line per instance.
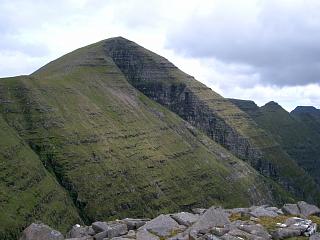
column 279, row 39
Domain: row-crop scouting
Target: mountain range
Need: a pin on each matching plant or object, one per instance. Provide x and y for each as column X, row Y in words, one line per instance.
column 114, row 130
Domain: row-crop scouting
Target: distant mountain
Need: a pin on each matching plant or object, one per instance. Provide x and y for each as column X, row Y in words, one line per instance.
column 113, row 130
column 297, row 132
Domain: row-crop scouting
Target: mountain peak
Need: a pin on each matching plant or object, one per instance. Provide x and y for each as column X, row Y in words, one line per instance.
column 305, row 109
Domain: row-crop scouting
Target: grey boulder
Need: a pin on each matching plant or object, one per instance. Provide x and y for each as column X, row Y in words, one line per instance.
column 143, row 234
column 263, row 212
column 185, row 218
column 40, row 231
column 307, row 209
column 213, row 217
column 133, row 223
column 162, row 226
column 291, row 209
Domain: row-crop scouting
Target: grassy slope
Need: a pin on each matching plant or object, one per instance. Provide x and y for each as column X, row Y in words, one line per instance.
column 288, row 173
column 27, row 191
column 117, row 152
column 295, row 136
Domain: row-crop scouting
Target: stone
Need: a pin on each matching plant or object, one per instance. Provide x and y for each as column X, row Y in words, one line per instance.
column 133, row 223
column 255, row 229
column 315, row 237
column 78, row 231
column 162, row 226
column 306, row 226
column 185, row 218
column 263, row 212
column 308, row 209
column 291, row 209
column 81, row 238
column 230, row 237
column 199, row 210
column 180, row 236
column 213, row 217
column 101, row 235
column 99, row 226
column 40, row 231
column 143, row 234
column 283, row 233
column 116, row 229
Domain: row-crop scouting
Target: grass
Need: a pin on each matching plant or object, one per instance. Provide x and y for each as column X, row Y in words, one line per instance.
column 108, row 151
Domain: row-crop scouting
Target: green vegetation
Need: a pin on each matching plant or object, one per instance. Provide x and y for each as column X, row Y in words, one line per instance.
column 113, row 150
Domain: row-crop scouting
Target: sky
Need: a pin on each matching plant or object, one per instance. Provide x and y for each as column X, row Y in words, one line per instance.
column 261, row 50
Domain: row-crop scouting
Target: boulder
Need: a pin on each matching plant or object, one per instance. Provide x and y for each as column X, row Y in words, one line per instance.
column 256, row 230
column 101, row 235
column 40, row 231
column 283, row 233
column 116, row 229
column 263, row 212
column 213, row 217
column 315, row 237
column 81, row 238
column 185, row 218
column 199, row 210
column 306, row 227
column 133, row 223
column 291, row 209
column 143, row 234
column 308, row 209
column 99, row 226
column 78, row 231
column 162, row 226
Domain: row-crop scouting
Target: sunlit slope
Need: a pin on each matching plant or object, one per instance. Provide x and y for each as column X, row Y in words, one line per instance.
column 28, row 192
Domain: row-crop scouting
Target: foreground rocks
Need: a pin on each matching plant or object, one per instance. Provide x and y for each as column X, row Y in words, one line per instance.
column 254, row 223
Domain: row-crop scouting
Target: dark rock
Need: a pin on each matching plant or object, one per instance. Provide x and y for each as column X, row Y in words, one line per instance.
column 40, row 231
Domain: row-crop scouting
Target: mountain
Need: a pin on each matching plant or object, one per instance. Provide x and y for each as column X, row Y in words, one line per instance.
column 113, row 130
column 297, row 132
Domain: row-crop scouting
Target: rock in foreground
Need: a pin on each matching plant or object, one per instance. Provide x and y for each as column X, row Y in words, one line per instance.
column 254, row 223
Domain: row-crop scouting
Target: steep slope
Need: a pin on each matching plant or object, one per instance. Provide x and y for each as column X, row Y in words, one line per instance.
column 309, row 115
column 296, row 136
column 221, row 120
column 117, row 152
column 27, row 191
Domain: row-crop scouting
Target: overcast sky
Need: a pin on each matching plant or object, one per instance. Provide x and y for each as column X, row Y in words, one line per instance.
column 261, row 50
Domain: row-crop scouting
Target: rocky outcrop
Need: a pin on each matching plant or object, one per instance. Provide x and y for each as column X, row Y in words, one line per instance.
column 210, row 224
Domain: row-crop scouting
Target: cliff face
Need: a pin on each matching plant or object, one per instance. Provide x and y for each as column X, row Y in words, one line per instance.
column 112, row 149
column 218, row 117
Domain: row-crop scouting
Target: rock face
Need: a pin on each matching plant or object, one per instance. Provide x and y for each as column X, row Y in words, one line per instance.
column 213, row 224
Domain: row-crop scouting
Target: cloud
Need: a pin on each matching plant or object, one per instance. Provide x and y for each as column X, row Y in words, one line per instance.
column 278, row 39
column 241, row 49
